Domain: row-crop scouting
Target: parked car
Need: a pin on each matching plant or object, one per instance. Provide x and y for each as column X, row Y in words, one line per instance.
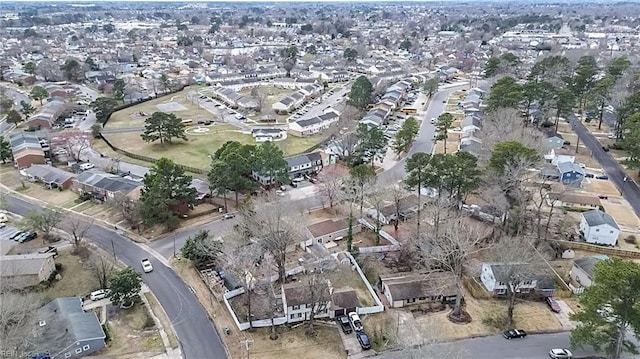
column 602, row 177
column 21, row 237
column 86, row 166
column 363, row 339
column 146, row 265
column 356, row 323
column 560, row 354
column 16, row 235
column 589, row 175
column 514, row 333
column 603, row 196
column 228, row 216
column 605, row 149
column 28, row 236
column 99, row 294
column 343, row 321
column 553, row 305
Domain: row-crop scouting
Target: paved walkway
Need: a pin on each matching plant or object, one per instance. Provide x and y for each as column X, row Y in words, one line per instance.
column 563, row 316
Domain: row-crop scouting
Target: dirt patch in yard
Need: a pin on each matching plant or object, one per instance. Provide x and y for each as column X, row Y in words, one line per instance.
column 295, row 344
column 76, row 278
column 596, row 186
column 622, row 213
column 132, row 332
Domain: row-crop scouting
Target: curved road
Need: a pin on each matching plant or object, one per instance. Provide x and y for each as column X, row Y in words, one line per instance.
column 196, row 333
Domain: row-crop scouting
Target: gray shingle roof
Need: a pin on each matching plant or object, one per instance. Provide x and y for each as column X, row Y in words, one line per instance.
column 596, row 217
column 65, row 322
column 48, row 174
column 565, row 167
column 23, row 264
column 588, row 264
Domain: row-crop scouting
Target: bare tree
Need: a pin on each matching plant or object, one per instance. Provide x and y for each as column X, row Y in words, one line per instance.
column 396, row 194
column 270, row 303
column 377, row 196
column 78, row 228
column 450, row 249
column 519, row 267
column 241, row 262
column 75, row 142
column 101, row 269
column 44, row 220
column 317, row 286
column 129, row 210
column 505, row 124
column 275, row 226
column 49, row 70
column 18, row 318
column 331, row 181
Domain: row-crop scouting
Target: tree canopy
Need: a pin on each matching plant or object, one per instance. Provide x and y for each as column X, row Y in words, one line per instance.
column 508, row 153
column 164, row 127
column 405, row 136
column 125, row 284
column 361, row 93
column 166, row 188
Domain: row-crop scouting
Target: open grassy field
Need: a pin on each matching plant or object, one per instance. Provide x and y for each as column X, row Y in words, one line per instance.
column 130, row 117
column 196, row 150
column 272, row 95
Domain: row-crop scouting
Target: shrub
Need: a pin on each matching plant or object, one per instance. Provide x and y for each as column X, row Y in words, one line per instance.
column 631, row 239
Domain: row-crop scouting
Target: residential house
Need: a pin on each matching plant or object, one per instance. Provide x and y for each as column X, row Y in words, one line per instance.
column 469, row 125
column 48, row 114
column 311, row 126
column 344, row 301
column 554, row 140
column 582, row 272
column 289, row 103
column 105, row 186
column 27, row 270
column 570, row 173
column 298, row 302
column 471, row 145
column 557, row 155
column 328, row 230
column 52, row 177
column 65, row 330
column 407, row 207
column 599, row 227
column 265, row 134
column 305, row 164
column 573, row 200
column 402, row 289
column 26, row 149
column 312, row 90
column 234, row 100
column 494, row 277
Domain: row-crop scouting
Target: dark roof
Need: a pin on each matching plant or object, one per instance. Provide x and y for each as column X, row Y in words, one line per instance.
column 596, row 217
column 566, row 167
column 117, row 184
column 587, row 264
column 48, row 174
column 327, row 227
column 63, row 322
column 298, row 293
column 409, row 286
column 344, row 298
column 502, row 271
column 308, row 122
column 303, row 158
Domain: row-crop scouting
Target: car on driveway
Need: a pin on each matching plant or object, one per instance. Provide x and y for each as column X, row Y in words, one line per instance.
column 99, row 294
column 363, row 339
column 514, row 333
column 146, row 265
column 344, row 324
column 553, row 305
column 560, row 354
column 356, row 323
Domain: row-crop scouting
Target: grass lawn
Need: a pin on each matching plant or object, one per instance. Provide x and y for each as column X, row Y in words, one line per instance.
column 195, row 152
column 295, row 344
column 164, row 320
column 133, row 332
column 272, row 95
column 76, row 278
column 128, row 117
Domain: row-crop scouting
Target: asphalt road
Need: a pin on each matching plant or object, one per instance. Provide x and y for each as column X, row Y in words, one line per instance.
column 532, row 347
column 424, row 140
column 629, row 189
column 196, row 333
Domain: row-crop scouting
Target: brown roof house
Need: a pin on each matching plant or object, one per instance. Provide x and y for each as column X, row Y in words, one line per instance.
column 344, row 301
column 328, row 230
column 47, row 114
column 27, row 270
column 407, row 208
column 26, row 149
column 402, row 289
column 298, row 302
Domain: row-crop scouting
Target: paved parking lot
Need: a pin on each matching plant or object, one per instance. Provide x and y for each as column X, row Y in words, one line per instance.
column 7, row 232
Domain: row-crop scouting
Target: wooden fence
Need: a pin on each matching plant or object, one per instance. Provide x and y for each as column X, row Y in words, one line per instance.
column 601, row 249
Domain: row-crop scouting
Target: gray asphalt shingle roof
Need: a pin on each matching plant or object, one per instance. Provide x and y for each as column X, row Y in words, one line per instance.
column 596, row 217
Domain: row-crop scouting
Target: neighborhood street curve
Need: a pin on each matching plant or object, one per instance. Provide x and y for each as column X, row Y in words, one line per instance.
column 196, row 333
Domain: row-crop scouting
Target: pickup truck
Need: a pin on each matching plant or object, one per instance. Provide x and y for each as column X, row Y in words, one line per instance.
column 344, row 324
column 356, row 323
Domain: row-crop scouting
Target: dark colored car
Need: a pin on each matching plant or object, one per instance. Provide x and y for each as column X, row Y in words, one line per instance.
column 605, row 149
column 514, row 333
column 27, row 237
column 553, row 305
column 363, row 339
column 344, row 324
column 602, row 177
column 16, row 235
column 589, row 175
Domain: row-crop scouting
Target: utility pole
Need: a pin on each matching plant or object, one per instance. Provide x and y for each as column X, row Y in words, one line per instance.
column 113, row 249
column 246, row 343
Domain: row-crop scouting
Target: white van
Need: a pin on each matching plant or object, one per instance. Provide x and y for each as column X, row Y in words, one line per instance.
column 99, row 294
column 86, row 166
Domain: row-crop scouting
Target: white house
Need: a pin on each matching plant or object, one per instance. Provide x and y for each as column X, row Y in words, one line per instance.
column 495, row 278
column 599, row 228
column 297, row 301
column 306, row 127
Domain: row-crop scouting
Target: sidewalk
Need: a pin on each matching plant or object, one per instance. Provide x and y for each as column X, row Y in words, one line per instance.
column 170, row 353
column 390, row 160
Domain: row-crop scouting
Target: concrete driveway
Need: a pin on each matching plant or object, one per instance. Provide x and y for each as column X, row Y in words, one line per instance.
column 563, row 316
column 350, row 343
